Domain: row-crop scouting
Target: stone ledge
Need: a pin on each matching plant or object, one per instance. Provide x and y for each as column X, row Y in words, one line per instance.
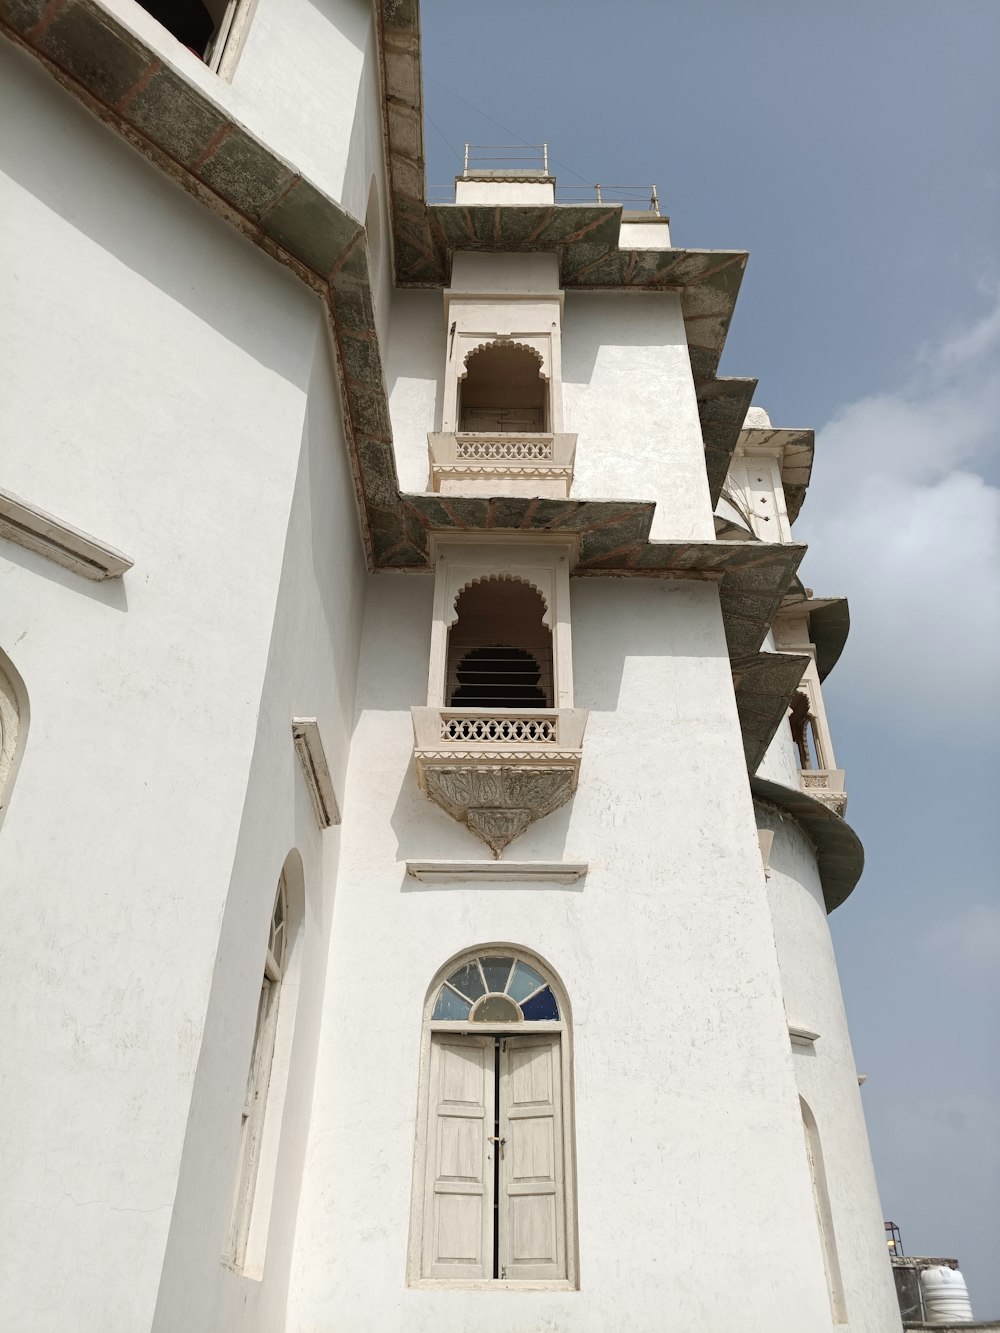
column 497, row 872
column 41, row 532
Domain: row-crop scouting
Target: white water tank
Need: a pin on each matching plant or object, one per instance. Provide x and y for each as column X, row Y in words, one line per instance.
column 946, row 1299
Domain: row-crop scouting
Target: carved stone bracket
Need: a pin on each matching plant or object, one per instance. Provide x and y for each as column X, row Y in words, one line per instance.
column 498, row 787
column 498, row 804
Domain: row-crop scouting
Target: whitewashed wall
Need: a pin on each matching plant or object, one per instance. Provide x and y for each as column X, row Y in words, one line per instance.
column 629, row 394
column 300, row 84
column 160, row 375
column 826, row 1075
column 311, row 672
column 415, row 366
column 688, row 1134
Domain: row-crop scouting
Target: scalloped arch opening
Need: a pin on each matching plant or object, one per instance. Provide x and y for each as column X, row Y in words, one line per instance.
column 502, row 388
column 499, row 646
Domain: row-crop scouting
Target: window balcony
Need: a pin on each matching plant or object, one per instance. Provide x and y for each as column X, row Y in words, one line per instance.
column 498, row 770
column 827, row 785
column 496, row 462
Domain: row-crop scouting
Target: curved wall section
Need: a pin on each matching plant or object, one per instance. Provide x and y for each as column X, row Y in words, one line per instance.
column 826, row 1076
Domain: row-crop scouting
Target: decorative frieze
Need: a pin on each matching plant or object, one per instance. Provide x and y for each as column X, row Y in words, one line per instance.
column 827, row 785
column 495, row 463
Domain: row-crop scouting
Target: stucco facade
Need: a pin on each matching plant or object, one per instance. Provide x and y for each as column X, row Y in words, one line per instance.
column 234, row 333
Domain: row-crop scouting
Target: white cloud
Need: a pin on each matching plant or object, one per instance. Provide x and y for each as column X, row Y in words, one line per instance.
column 901, row 517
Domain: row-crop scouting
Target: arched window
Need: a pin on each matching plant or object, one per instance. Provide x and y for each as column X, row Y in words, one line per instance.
column 493, row 1179
column 503, row 389
column 499, row 648
column 259, row 1077
column 824, row 1213
column 13, row 719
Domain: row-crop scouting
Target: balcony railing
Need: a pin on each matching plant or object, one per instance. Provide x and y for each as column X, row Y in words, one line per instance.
column 501, row 728
column 498, row 770
column 827, row 785
column 496, row 462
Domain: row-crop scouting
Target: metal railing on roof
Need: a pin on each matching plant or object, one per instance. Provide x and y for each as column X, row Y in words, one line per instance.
column 634, row 198
column 520, row 157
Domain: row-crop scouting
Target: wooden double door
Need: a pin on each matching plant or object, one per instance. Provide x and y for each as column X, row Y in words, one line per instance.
column 494, row 1190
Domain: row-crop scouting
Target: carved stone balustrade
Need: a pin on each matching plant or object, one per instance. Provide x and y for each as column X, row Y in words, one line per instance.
column 502, row 463
column 498, row 770
column 827, row 785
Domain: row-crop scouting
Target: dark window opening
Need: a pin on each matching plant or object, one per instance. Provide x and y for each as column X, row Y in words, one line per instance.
column 202, row 28
column 498, row 677
column 801, row 719
column 503, row 390
column 499, row 648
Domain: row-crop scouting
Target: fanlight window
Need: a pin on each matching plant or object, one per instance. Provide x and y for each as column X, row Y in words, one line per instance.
column 496, row 988
column 499, row 648
column 503, row 390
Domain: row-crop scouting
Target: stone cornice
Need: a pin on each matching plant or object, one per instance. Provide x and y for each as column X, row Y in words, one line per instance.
column 36, row 530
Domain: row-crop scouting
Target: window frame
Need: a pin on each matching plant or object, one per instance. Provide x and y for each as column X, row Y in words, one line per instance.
column 437, row 1027
column 263, row 1099
column 225, row 46
column 543, row 562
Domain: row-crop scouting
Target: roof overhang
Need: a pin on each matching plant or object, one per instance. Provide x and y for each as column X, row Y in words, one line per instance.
column 829, row 624
column 764, row 684
column 839, row 853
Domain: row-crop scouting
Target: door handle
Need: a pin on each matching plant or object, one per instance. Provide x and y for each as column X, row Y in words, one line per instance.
column 493, row 1138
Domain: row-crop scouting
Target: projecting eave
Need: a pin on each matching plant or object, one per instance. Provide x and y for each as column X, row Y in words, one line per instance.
column 796, row 448
column 829, row 624
column 764, row 685
column 753, row 577
column 839, row 853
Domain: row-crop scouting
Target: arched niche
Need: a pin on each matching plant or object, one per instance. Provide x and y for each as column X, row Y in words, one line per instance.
column 500, row 646
column 503, row 388
column 13, row 728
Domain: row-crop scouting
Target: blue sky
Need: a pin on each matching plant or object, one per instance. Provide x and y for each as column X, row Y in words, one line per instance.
column 852, row 148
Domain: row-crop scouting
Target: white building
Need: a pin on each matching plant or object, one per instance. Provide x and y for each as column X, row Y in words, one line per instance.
column 402, row 758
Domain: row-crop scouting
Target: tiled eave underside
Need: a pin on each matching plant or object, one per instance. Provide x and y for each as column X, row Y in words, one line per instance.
column 187, row 135
column 765, row 683
column 839, row 853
